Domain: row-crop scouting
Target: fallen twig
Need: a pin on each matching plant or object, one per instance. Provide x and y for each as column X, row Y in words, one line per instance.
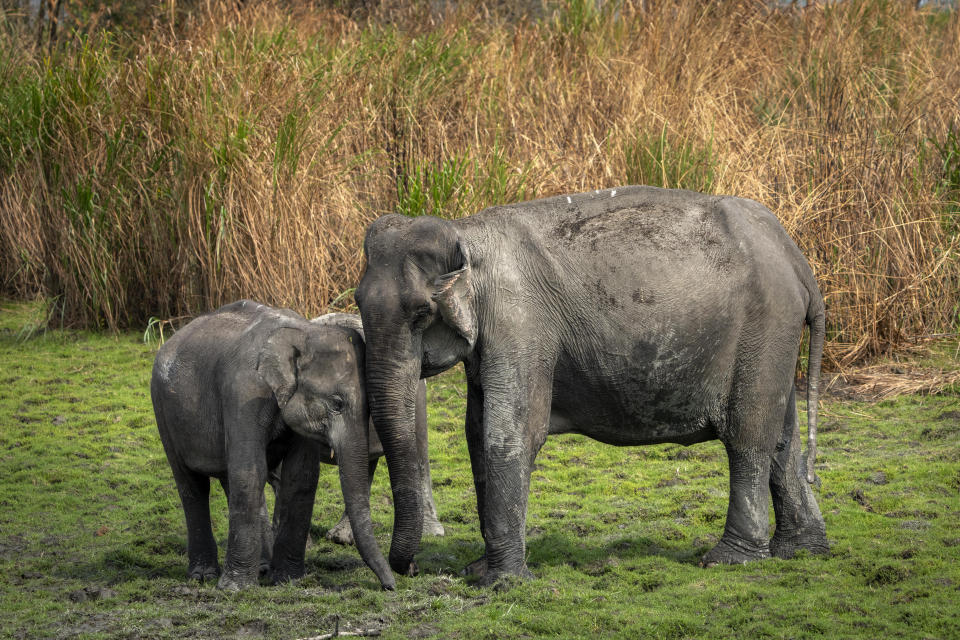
column 359, row 632
column 337, row 633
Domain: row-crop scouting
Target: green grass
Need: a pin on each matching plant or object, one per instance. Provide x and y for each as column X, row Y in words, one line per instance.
column 92, row 539
column 654, row 159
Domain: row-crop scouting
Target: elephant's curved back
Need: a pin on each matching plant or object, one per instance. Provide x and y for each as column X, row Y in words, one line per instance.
column 345, row 320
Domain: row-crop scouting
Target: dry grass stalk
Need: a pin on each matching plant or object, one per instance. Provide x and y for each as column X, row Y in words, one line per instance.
column 881, row 382
column 245, row 155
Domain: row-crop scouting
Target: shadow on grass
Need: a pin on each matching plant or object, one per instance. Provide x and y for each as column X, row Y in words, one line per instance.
column 450, row 556
column 126, row 564
column 556, row 549
column 337, row 568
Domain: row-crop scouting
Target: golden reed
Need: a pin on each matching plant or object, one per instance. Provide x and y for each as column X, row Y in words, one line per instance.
column 243, row 152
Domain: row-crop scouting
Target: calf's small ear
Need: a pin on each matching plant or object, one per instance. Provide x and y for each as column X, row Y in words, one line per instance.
column 453, row 293
column 277, row 363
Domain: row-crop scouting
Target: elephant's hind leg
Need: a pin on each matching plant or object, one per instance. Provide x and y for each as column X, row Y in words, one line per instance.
column 750, row 435
column 194, row 490
column 431, row 523
column 745, row 535
column 799, row 523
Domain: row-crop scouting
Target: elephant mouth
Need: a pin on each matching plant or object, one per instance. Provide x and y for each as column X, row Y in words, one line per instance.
column 314, row 429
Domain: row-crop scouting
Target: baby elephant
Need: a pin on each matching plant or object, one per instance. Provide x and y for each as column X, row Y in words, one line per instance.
column 237, row 393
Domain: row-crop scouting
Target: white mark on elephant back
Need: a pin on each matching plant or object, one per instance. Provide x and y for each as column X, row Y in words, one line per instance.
column 613, row 193
column 164, row 362
column 569, row 200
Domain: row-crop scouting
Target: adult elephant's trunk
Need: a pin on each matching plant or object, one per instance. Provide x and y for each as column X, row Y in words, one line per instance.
column 353, row 464
column 393, row 373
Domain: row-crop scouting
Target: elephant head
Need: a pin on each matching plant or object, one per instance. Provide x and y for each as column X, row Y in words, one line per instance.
column 416, row 299
column 316, row 373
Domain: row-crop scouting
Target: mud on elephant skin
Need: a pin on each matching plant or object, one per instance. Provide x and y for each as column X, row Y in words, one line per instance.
column 237, row 393
column 633, row 315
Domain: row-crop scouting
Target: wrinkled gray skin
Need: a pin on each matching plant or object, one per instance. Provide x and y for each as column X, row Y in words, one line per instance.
column 634, row 316
column 236, row 393
column 341, row 532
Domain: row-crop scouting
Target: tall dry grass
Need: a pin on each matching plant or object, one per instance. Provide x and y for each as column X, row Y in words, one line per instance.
column 244, row 154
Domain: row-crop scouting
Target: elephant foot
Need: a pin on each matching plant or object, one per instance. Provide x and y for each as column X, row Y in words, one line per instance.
column 279, row 575
column 476, row 569
column 734, row 551
column 231, row 581
column 786, row 545
column 341, row 533
column 203, row 572
column 500, row 580
column 432, row 527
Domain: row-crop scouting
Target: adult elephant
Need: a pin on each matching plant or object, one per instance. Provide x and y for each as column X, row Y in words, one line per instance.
column 634, row 316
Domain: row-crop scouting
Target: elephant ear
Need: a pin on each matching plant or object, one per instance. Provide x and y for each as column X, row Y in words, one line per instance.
column 277, row 364
column 453, row 293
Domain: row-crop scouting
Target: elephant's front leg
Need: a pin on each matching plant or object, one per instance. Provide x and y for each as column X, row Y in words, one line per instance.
column 294, row 508
column 516, row 411
column 246, row 478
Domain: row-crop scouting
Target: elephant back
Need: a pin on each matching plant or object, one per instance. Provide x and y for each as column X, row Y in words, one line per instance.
column 345, row 320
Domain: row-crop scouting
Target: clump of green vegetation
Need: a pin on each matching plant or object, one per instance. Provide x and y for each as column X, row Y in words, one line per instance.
column 659, row 161
column 92, row 539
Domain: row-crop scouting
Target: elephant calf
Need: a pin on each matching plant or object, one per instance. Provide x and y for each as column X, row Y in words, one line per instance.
column 244, row 389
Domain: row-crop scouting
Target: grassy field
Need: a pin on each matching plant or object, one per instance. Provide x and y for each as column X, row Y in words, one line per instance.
column 92, row 540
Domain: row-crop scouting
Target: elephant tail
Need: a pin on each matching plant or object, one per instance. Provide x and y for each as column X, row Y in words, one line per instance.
column 815, row 319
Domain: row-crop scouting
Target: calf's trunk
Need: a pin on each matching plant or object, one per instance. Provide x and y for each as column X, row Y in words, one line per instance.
column 353, row 466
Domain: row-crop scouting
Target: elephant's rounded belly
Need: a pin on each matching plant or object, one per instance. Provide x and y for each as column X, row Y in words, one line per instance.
column 208, row 465
column 632, row 432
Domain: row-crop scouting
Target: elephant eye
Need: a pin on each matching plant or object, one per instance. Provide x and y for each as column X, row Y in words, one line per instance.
column 336, row 403
column 421, row 313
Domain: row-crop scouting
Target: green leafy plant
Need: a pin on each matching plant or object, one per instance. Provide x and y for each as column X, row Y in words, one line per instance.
column 660, row 160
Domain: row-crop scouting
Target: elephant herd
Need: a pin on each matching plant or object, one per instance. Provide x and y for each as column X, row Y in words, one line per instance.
column 633, row 315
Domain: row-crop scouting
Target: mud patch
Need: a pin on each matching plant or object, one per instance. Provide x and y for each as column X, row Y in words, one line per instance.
column 92, row 593
column 97, row 623
column 336, row 563
column 860, row 498
column 423, row 631
column 252, row 629
column 886, row 574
